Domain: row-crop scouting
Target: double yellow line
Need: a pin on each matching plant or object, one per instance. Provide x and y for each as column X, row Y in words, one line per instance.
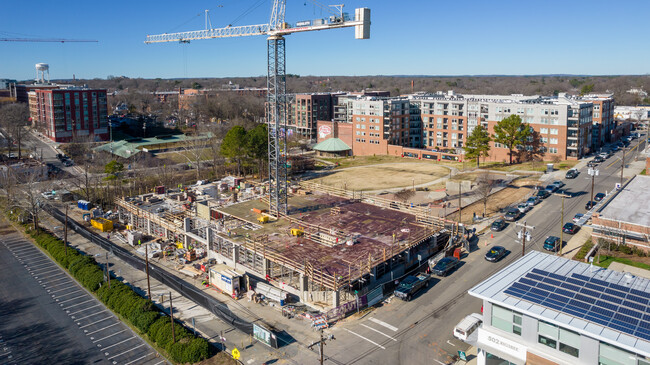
column 624, row 155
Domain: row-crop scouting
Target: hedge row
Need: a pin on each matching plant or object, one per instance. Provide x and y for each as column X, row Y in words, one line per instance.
column 120, row 298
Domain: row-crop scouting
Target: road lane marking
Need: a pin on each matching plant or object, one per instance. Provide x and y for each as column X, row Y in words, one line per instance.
column 125, row 352
column 101, row 320
column 101, row 329
column 441, row 363
column 451, row 343
column 102, row 339
column 381, row 333
column 369, row 340
column 90, row 315
column 392, row 328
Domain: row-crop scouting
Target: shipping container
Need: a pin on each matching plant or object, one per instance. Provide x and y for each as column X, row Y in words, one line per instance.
column 228, row 281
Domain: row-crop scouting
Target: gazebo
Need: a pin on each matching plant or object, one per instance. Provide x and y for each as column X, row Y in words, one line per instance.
column 332, row 147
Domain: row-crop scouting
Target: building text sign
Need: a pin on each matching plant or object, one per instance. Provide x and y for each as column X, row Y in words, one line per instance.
column 488, row 340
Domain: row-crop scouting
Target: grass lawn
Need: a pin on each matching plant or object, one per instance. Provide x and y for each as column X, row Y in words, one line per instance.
column 605, row 261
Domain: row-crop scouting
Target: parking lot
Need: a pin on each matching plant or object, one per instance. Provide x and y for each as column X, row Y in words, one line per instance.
column 67, row 310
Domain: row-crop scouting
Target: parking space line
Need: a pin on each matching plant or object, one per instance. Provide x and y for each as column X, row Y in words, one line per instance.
column 74, row 305
column 46, row 263
column 140, row 358
column 115, row 344
column 90, row 315
column 101, row 320
column 21, row 249
column 23, row 257
column 62, row 289
column 393, row 328
column 369, row 340
column 125, row 352
column 381, row 333
column 85, row 309
column 38, row 262
column 45, row 271
column 101, row 329
column 62, row 277
column 71, row 299
column 102, row 339
column 63, row 295
column 160, row 362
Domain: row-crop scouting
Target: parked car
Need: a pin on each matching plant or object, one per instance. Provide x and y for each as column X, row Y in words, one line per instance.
column 498, row 225
column 543, row 194
column 590, row 204
column 577, row 217
column 68, row 163
column 552, row 243
column 570, row 228
column 523, row 207
column 533, row 200
column 411, row 285
column 551, row 188
column 558, row 183
column 468, row 326
column 592, row 164
column 599, row 197
column 495, row 253
column 512, row 214
column 571, row 174
column 445, row 266
column 603, row 155
column 599, row 159
column 565, row 192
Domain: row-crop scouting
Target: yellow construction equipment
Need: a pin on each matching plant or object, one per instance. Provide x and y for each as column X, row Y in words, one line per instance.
column 297, row 232
column 102, row 224
column 263, row 219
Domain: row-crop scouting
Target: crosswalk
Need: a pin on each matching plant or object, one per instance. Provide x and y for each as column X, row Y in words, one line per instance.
column 374, row 331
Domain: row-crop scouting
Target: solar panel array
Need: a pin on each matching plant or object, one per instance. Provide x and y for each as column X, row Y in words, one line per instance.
column 615, row 306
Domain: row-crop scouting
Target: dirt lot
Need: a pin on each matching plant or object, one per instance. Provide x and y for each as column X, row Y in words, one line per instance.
column 388, row 175
column 513, row 193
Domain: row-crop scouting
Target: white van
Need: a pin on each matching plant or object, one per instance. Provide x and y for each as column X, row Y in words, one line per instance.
column 467, row 326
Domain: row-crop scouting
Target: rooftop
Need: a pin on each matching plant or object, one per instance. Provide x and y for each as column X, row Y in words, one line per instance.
column 632, row 205
column 537, row 268
column 378, row 231
column 332, row 145
column 130, row 147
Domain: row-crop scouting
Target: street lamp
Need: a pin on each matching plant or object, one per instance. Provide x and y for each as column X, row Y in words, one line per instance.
column 593, row 173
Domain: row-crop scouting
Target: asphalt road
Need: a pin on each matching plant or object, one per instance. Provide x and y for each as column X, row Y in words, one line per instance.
column 47, row 318
column 420, row 331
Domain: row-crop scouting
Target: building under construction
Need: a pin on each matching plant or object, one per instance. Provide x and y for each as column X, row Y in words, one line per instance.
column 331, row 244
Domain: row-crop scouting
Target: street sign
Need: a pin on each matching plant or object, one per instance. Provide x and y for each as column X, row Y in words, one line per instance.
column 462, row 355
column 235, row 354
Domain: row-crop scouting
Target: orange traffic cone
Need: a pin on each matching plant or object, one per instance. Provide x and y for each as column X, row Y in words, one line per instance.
column 491, row 235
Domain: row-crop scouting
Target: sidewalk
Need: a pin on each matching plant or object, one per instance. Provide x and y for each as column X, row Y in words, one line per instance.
column 195, row 316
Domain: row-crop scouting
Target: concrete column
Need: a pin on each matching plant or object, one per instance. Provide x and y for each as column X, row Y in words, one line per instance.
column 373, row 277
column 186, row 224
column 266, row 266
column 235, row 254
column 208, row 238
column 336, row 298
column 148, row 227
column 302, row 281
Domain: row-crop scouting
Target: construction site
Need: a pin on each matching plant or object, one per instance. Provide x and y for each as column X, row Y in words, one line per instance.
column 331, row 245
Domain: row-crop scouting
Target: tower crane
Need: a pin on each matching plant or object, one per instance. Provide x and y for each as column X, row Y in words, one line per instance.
column 276, row 84
column 57, row 40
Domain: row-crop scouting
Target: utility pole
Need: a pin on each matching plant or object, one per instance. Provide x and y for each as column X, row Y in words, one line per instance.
column 622, row 166
column 562, row 220
column 65, row 231
column 524, row 237
column 460, row 206
column 108, row 273
column 171, row 315
column 146, row 255
column 320, row 344
column 593, row 173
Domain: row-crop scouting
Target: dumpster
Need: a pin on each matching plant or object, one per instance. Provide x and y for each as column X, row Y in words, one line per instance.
column 102, row 224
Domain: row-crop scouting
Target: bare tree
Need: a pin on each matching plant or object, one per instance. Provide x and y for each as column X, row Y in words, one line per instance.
column 485, row 185
column 13, row 118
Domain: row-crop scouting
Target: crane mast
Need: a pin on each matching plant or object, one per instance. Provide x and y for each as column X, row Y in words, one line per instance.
column 276, row 82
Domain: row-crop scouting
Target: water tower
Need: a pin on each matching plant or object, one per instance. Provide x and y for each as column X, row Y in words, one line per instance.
column 41, row 69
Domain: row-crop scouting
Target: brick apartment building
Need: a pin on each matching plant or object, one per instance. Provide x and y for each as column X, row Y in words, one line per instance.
column 603, row 118
column 442, row 122
column 68, row 113
column 306, row 110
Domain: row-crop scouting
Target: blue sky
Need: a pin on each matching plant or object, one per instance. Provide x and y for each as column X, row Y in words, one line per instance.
column 408, row 37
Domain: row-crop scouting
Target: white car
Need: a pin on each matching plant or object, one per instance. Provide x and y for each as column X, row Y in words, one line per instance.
column 523, row 207
column 577, row 217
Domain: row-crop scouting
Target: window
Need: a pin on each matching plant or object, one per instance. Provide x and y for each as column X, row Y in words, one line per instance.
column 554, row 131
column 552, row 150
column 506, row 320
column 550, row 335
column 543, row 130
column 554, row 141
column 610, row 355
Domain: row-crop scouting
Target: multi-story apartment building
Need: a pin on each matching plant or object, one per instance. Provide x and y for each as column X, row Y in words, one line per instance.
column 546, row 309
column 67, row 113
column 306, row 110
column 378, row 122
column 602, row 119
